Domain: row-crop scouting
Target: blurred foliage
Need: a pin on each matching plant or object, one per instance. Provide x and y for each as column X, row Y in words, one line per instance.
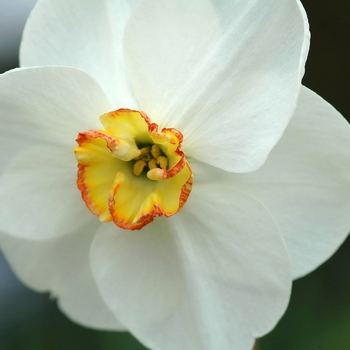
column 49, row 329
column 318, row 316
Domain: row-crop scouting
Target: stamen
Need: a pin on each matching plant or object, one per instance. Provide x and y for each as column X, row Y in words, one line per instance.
column 152, row 164
column 162, row 162
column 156, row 152
column 144, row 152
column 151, row 157
column 139, row 166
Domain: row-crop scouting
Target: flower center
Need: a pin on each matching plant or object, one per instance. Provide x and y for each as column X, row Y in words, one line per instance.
column 151, row 157
column 129, row 172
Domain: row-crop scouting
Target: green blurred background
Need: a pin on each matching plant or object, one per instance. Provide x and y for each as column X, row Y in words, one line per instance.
column 318, row 317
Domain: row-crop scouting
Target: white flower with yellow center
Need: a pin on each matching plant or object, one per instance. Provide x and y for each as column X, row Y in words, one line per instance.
column 208, row 177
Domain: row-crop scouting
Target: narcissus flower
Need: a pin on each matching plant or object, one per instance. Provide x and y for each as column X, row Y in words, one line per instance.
column 163, row 170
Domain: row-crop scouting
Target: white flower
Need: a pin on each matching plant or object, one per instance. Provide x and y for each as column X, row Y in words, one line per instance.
column 271, row 189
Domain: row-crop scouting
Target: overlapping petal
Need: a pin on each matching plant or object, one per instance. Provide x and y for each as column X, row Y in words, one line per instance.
column 46, row 105
column 39, row 198
column 195, row 67
column 83, row 35
column 227, row 74
column 42, row 111
column 305, row 183
column 61, row 266
column 170, row 288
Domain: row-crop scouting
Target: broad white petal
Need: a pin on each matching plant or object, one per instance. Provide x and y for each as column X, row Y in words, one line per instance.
column 84, row 35
column 39, row 195
column 47, row 105
column 61, row 266
column 214, row 276
column 225, row 73
column 305, row 183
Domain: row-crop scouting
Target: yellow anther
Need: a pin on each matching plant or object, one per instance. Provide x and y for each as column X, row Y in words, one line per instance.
column 152, row 164
column 156, row 152
column 145, row 151
column 162, row 162
column 139, row 166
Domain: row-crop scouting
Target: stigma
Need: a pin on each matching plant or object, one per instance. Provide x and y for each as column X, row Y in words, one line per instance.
column 129, row 172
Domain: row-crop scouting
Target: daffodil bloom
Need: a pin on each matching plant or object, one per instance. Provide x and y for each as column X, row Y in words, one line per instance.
column 163, row 170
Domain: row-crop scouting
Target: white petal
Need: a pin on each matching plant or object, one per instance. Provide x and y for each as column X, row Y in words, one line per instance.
column 39, row 195
column 48, row 105
column 305, row 183
column 85, row 36
column 216, row 280
column 226, row 75
column 61, row 266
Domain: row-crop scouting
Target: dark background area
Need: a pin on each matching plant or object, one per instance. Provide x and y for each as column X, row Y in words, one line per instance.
column 318, row 317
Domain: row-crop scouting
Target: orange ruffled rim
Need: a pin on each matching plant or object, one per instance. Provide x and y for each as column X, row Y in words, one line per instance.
column 131, row 202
